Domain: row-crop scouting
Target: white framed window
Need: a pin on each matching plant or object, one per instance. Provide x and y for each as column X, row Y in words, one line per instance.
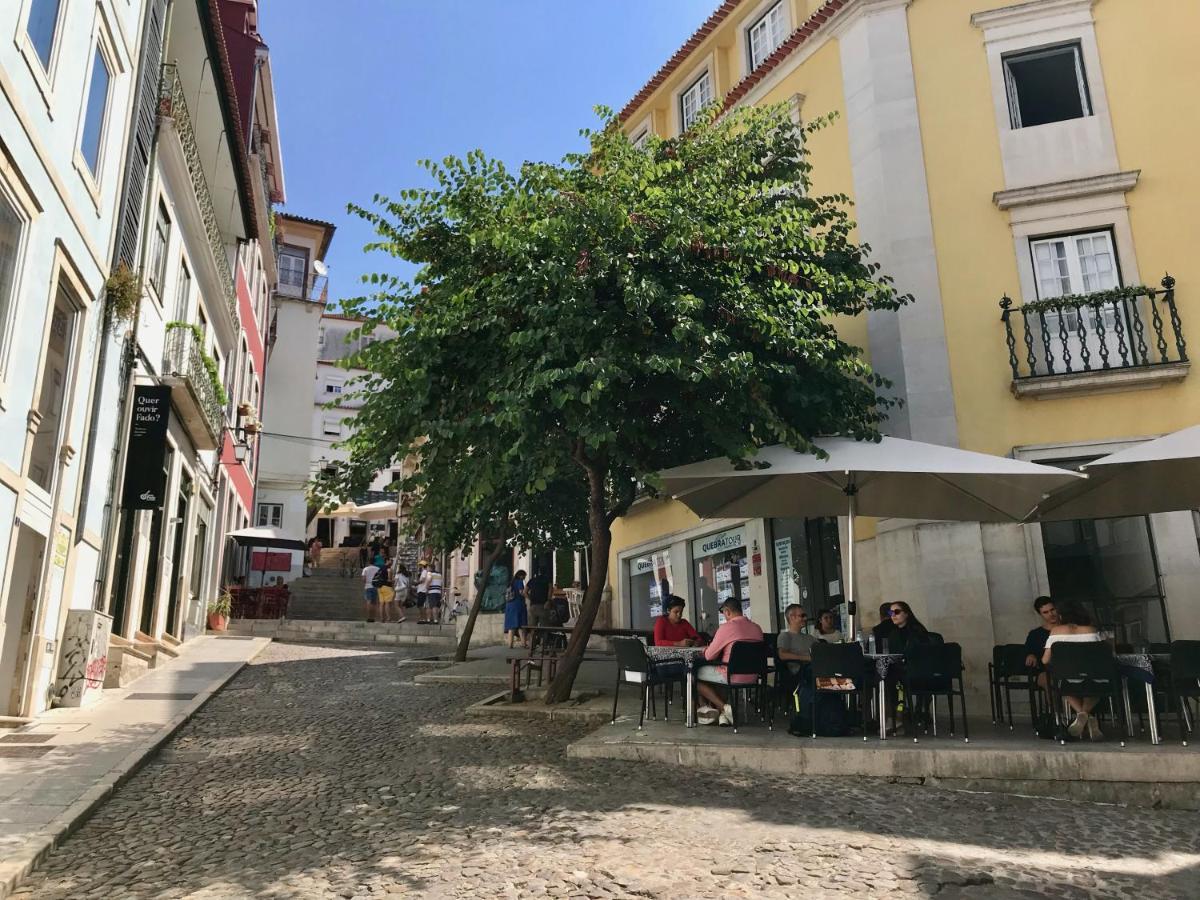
column 639, row 140
column 321, row 336
column 41, row 28
column 331, row 427
column 95, row 112
column 1074, row 264
column 1046, row 85
column 293, row 266
column 13, row 224
column 334, row 386
column 159, row 241
column 183, row 292
column 695, row 98
column 765, row 35
column 270, row 515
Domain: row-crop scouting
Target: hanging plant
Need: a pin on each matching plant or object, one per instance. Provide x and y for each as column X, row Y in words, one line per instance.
column 122, row 290
column 210, row 364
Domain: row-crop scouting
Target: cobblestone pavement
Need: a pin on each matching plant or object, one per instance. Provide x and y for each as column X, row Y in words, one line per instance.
column 324, row 772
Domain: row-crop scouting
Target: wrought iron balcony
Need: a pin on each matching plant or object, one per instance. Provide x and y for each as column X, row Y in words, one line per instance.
column 193, row 392
column 173, row 107
column 1136, row 331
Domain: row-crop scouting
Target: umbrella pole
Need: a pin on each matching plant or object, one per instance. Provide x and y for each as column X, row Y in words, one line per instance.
column 851, row 609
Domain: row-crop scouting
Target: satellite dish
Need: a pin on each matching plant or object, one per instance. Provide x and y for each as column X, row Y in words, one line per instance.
column 320, row 268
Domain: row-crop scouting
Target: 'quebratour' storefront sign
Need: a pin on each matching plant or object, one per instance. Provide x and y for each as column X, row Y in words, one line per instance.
column 145, row 480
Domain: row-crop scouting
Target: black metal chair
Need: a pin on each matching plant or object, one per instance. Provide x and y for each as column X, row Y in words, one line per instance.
column 634, row 666
column 932, row 671
column 1185, row 682
column 840, row 661
column 750, row 658
column 1007, row 672
column 1084, row 670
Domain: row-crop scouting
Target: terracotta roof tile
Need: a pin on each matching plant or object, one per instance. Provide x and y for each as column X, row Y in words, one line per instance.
column 793, row 41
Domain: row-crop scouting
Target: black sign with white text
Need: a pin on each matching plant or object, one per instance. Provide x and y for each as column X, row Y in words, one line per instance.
column 145, row 481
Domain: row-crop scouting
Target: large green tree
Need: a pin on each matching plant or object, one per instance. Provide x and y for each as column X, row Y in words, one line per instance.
column 576, row 327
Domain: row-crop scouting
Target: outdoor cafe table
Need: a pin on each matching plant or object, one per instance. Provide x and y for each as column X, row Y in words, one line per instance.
column 692, row 658
column 1140, row 666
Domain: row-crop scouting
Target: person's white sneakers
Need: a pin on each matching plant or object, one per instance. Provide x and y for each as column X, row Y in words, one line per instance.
column 727, row 715
column 706, row 715
column 1075, row 729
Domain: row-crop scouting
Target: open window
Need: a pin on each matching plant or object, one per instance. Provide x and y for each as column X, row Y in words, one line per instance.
column 1046, row 85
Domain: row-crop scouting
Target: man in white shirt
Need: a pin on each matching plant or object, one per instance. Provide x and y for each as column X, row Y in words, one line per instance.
column 370, row 591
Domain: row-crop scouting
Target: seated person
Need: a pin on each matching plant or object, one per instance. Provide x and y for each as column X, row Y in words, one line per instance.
column 1035, row 641
column 1075, row 626
column 560, row 610
column 736, row 627
column 827, row 629
column 884, row 629
column 907, row 630
column 671, row 629
column 793, row 647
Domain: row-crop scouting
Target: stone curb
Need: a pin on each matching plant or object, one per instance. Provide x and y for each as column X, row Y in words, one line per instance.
column 13, row 871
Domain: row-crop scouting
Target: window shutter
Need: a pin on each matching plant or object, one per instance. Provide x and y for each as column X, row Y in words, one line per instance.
column 137, row 169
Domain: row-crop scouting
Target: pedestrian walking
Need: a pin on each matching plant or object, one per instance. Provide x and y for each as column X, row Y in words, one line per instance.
column 433, row 596
column 370, row 590
column 423, row 579
column 514, row 610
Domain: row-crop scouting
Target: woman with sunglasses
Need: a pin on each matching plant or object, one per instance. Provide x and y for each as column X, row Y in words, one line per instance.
column 907, row 630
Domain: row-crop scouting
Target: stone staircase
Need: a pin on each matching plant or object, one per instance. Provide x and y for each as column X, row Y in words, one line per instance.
column 327, row 594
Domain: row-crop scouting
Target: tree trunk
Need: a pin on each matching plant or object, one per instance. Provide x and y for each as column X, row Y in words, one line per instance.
column 464, row 642
column 560, row 688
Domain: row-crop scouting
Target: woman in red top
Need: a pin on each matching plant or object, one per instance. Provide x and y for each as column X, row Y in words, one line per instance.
column 672, row 629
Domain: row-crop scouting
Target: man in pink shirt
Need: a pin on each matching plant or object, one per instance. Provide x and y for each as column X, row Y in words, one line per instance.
column 736, row 627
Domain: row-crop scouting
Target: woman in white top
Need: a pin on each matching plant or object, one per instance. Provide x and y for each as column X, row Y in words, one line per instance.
column 1075, row 626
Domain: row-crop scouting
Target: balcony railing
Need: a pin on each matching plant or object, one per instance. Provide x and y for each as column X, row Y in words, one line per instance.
column 173, row 106
column 312, row 287
column 183, row 362
column 1121, row 329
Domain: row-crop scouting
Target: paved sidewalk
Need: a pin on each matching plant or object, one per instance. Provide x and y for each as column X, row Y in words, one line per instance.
column 57, row 770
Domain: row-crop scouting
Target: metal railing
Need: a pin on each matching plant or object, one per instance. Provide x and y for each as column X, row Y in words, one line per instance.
column 185, row 359
column 1109, row 330
column 314, row 287
column 173, row 106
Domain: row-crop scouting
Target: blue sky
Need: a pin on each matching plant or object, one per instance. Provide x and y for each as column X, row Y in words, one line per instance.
column 365, row 88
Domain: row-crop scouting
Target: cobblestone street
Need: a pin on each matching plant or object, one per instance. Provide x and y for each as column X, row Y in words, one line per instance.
column 324, row 772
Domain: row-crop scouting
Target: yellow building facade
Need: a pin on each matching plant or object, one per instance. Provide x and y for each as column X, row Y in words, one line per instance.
column 1034, row 152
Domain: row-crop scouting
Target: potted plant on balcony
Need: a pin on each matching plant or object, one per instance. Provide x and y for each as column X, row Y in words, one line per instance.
column 218, row 612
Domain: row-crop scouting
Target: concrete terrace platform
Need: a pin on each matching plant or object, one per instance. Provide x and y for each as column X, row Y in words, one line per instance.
column 399, row 634
column 1139, row 774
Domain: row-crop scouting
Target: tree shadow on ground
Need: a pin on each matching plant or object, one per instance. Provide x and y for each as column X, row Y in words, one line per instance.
column 327, row 771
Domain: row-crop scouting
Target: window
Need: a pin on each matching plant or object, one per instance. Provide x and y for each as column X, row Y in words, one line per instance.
column 41, row 27
column 91, row 137
column 183, row 293
column 270, row 515
column 332, row 427
column 12, row 227
column 202, row 324
column 694, row 99
column 293, row 265
column 158, row 248
column 1046, row 85
column 640, row 140
column 1074, row 264
column 321, row 336
column 333, row 386
column 650, row 581
column 765, row 35
column 57, row 363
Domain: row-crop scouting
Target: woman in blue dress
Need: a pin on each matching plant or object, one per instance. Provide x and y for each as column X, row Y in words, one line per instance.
column 515, row 617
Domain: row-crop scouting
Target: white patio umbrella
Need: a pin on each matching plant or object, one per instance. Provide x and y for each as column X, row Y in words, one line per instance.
column 266, row 538
column 891, row 478
column 368, row 512
column 1155, row 476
